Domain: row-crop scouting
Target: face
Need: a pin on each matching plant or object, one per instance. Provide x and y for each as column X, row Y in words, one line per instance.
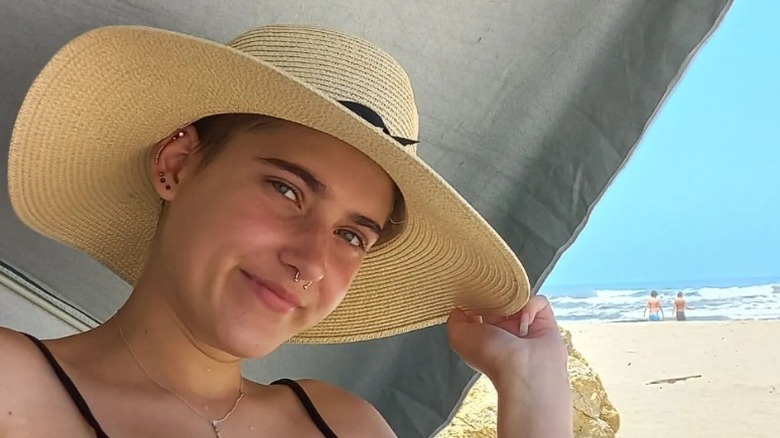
column 277, row 204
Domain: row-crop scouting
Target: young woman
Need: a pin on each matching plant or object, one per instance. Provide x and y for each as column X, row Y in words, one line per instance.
column 254, row 194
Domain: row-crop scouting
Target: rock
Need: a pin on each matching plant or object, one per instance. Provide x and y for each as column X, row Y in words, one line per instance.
column 477, row 417
column 594, row 415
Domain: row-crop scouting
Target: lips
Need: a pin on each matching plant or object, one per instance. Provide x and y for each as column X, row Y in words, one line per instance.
column 275, row 296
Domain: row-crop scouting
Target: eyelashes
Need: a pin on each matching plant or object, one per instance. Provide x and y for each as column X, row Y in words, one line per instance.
column 287, row 190
column 352, row 238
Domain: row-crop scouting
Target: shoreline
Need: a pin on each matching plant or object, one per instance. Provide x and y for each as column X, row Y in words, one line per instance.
column 668, row 319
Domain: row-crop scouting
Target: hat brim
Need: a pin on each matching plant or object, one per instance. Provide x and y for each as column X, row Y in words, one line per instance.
column 79, row 153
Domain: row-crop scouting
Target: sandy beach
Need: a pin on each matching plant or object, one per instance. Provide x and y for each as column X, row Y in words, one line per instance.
column 737, row 395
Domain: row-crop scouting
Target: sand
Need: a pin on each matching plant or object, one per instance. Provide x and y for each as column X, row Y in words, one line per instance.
column 737, row 395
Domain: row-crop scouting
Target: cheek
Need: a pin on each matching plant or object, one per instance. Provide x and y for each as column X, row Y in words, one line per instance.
column 251, row 230
column 211, row 234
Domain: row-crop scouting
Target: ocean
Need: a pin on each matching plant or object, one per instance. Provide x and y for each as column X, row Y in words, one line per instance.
column 749, row 299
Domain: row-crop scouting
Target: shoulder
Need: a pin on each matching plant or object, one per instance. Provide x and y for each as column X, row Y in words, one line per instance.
column 347, row 414
column 23, row 371
column 18, row 353
column 22, row 362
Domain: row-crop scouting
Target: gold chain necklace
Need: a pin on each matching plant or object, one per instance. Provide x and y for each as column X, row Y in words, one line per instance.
column 213, row 423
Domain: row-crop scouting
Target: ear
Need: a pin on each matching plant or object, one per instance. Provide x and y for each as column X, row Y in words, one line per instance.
column 174, row 156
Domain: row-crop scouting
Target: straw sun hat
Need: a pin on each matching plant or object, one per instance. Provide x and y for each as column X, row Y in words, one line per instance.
column 79, row 156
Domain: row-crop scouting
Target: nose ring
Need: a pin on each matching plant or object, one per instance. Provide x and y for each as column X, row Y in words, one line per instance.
column 297, row 278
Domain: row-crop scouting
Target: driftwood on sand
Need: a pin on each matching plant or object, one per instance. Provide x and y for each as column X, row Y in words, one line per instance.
column 673, row 379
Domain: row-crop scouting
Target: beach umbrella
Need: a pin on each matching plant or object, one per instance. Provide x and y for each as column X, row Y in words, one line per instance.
column 528, row 107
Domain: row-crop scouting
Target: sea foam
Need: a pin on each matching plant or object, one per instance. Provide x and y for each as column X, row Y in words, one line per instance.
column 760, row 301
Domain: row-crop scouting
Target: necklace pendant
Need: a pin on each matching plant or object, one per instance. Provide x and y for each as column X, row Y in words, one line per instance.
column 215, row 426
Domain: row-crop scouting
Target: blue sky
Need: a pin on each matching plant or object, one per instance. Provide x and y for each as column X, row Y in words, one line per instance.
column 699, row 201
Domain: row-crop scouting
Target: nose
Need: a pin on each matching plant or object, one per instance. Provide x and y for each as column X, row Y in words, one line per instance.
column 306, row 253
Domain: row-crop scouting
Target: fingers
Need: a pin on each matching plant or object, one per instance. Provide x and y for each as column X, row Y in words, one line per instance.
column 538, row 308
column 525, row 321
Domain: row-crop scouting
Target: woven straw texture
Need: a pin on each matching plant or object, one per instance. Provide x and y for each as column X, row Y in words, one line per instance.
column 79, row 155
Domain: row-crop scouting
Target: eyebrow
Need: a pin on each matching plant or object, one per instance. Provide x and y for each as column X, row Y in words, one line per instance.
column 314, row 184
column 317, row 187
column 368, row 223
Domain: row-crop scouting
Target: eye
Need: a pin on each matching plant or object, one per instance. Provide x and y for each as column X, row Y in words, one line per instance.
column 285, row 190
column 352, row 238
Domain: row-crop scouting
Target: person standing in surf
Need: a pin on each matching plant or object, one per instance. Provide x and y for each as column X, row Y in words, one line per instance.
column 680, row 306
column 653, row 307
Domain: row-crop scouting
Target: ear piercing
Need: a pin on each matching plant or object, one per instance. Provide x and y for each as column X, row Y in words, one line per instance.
column 396, row 223
column 176, row 136
column 162, row 180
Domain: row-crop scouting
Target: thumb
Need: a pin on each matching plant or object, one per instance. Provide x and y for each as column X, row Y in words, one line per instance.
column 459, row 326
column 458, row 315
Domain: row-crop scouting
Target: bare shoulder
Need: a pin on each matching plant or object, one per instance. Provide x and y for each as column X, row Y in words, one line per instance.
column 21, row 363
column 19, row 356
column 23, row 372
column 347, row 414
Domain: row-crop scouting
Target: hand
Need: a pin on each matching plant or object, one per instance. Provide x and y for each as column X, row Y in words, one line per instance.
column 526, row 342
column 525, row 358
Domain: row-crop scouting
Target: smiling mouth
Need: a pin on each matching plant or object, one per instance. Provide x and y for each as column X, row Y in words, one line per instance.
column 274, row 296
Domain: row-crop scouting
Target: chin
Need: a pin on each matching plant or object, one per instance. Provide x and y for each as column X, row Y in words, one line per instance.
column 251, row 344
column 244, row 327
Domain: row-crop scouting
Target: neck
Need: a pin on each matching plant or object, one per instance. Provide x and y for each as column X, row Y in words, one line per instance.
column 169, row 352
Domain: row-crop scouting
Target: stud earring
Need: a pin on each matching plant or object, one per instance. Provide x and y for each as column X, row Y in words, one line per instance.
column 162, row 180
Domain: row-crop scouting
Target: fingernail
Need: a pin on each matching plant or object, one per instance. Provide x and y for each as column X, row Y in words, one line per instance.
column 523, row 329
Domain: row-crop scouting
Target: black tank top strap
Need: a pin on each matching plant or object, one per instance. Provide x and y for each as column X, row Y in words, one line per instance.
column 308, row 405
column 67, row 383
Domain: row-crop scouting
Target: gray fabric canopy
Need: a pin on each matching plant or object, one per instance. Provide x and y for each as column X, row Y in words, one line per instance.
column 528, row 108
